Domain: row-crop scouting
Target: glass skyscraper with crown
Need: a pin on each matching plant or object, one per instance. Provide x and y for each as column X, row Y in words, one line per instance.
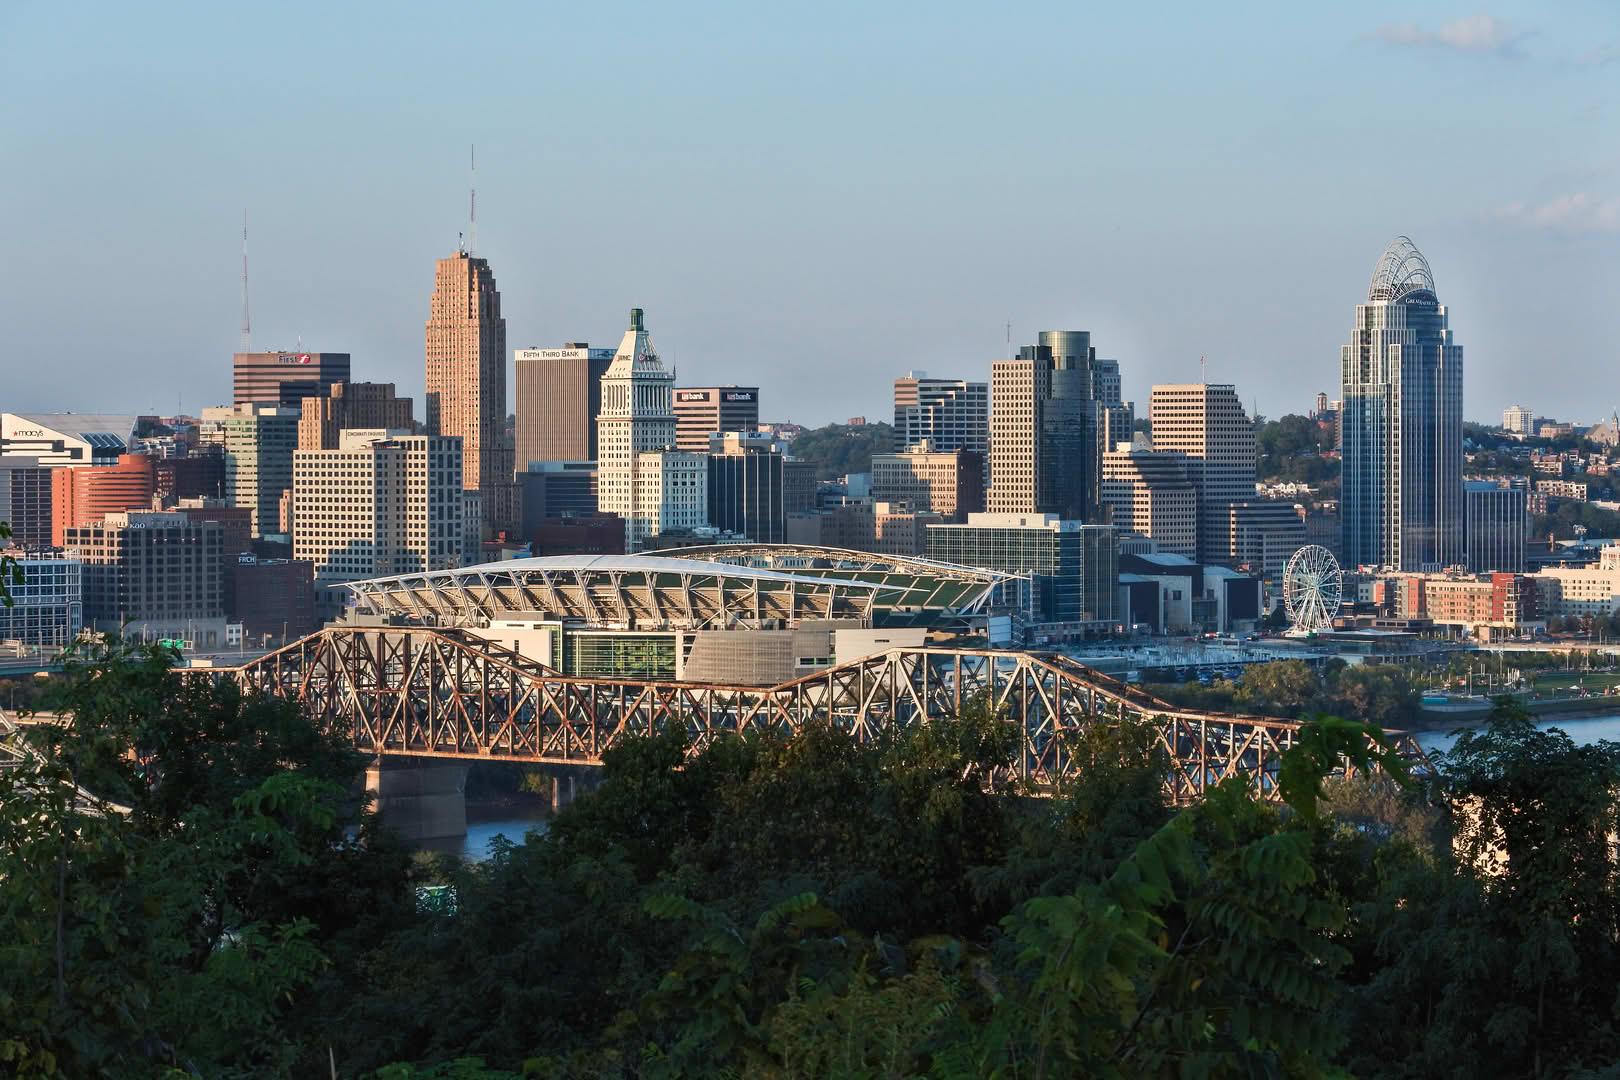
column 1401, row 503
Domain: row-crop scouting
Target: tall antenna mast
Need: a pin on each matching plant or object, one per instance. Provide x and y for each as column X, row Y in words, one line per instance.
column 472, row 200
column 247, row 322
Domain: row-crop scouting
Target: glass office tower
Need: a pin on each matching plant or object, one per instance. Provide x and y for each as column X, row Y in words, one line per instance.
column 1401, row 424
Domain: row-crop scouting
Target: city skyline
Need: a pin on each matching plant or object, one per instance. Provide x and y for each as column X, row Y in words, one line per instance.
column 1215, row 221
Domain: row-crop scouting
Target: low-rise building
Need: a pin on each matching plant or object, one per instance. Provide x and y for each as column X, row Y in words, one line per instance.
column 1485, row 606
column 1562, row 489
column 1174, row 594
column 47, row 606
column 1579, row 591
column 272, row 599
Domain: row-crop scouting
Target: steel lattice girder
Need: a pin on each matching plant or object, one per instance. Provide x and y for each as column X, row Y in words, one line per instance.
column 437, row 693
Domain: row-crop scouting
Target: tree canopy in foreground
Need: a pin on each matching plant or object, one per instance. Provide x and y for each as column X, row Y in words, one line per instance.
column 802, row 909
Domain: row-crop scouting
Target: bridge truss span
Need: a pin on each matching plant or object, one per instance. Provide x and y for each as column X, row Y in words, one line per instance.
column 418, row 691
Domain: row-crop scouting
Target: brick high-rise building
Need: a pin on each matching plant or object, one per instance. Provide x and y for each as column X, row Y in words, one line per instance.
column 153, row 575
column 82, row 494
column 273, row 599
column 466, row 382
column 559, row 393
column 352, row 405
column 199, row 473
column 1206, row 423
column 701, row 411
column 285, row 378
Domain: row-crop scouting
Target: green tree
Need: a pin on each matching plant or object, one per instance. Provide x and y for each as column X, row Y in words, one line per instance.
column 1380, row 694
column 180, row 915
column 839, row 449
column 1281, row 688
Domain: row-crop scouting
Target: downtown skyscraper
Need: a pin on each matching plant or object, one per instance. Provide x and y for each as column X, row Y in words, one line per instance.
column 1401, row 503
column 1053, row 412
column 1205, row 424
column 466, row 381
column 641, row 476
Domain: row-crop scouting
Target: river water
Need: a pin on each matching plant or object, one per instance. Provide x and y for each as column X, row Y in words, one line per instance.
column 1583, row 729
column 486, row 822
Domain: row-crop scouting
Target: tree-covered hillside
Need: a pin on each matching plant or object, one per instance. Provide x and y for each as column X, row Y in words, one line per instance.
column 839, row 449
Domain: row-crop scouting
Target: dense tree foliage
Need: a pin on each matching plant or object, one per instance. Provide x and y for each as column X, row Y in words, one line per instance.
column 1294, row 449
column 210, row 895
column 1383, row 694
column 1568, row 517
column 809, row 907
column 840, row 449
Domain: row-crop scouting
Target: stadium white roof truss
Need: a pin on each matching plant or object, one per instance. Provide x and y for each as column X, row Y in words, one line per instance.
column 628, row 592
column 904, row 581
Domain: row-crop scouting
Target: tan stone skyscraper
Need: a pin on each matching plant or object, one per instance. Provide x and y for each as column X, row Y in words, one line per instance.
column 466, row 381
column 1206, row 423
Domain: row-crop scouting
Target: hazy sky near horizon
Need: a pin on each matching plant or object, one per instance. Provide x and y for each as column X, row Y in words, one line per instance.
column 813, row 200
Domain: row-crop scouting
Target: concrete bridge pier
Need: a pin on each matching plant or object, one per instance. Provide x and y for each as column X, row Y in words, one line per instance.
column 420, row 799
column 564, row 789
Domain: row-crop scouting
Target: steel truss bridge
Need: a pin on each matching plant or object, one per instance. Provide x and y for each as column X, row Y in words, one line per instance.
column 443, row 693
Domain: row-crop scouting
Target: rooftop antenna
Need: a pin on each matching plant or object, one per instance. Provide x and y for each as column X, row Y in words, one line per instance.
column 1203, row 377
column 1009, row 332
column 247, row 323
column 472, row 200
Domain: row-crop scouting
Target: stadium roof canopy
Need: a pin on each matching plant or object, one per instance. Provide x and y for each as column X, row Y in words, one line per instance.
column 906, row 584
column 633, row 592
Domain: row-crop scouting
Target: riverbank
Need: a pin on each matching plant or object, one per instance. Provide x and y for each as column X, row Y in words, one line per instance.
column 1436, row 717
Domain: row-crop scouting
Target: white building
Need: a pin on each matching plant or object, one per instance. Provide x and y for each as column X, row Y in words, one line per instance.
column 640, row 475
column 67, row 438
column 383, row 503
column 1519, row 420
column 1581, row 590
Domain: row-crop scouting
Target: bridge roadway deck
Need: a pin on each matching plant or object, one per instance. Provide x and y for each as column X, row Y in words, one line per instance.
column 441, row 693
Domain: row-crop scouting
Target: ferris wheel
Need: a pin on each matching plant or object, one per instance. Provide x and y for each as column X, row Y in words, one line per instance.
column 1313, row 586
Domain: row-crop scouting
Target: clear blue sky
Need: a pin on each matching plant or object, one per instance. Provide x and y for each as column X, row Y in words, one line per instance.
column 813, row 201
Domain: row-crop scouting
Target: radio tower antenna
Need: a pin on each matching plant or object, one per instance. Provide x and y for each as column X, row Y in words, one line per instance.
column 247, row 321
column 472, row 200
